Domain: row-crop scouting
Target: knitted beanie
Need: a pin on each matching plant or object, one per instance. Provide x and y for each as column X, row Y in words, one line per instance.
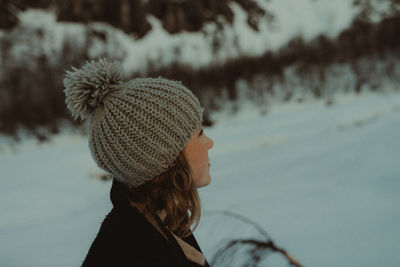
column 136, row 128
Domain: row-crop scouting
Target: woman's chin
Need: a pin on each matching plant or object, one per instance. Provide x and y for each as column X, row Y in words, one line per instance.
column 204, row 182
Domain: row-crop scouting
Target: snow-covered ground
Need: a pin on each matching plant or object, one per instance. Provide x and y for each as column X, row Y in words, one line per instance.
column 323, row 181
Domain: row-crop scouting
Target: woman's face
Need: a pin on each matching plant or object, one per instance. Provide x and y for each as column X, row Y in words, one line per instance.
column 196, row 153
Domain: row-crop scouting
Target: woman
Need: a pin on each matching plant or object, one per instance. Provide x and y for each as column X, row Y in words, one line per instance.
column 146, row 133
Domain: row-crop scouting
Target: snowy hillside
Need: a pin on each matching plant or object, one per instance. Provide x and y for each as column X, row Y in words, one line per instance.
column 323, row 181
column 291, row 19
column 280, row 50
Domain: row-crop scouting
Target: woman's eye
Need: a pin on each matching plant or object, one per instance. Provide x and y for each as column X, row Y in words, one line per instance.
column 201, row 132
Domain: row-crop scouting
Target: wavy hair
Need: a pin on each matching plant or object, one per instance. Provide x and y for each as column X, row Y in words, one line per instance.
column 174, row 192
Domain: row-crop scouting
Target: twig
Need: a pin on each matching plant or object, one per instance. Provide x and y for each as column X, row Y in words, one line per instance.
column 259, row 245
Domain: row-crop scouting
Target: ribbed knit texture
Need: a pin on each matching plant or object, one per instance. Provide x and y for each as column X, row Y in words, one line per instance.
column 139, row 127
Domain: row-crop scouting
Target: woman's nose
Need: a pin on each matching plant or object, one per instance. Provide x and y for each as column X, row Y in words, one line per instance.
column 211, row 143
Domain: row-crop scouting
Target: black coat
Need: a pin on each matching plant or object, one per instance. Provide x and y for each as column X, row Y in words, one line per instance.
column 127, row 238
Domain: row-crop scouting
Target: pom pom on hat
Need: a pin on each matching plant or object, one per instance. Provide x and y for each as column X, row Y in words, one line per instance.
column 86, row 88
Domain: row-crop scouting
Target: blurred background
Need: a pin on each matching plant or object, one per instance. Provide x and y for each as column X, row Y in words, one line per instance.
column 301, row 97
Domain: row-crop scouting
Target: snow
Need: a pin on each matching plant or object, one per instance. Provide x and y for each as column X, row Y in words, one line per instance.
column 380, row 9
column 307, row 19
column 158, row 48
column 323, row 181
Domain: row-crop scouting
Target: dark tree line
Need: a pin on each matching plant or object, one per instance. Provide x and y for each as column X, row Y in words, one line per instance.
column 130, row 15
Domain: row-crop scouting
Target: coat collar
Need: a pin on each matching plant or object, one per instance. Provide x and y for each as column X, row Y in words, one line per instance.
column 122, row 203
